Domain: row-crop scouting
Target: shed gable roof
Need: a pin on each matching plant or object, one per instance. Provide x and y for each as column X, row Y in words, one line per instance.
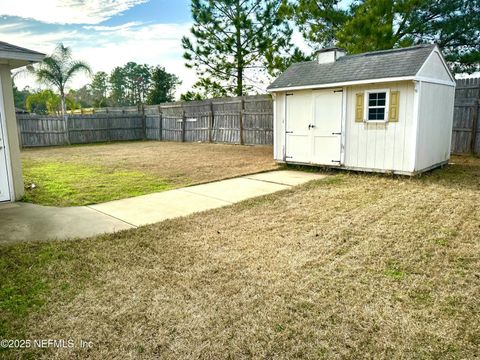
column 373, row 65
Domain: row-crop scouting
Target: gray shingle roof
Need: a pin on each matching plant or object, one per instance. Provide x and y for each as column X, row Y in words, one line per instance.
column 17, row 49
column 372, row 65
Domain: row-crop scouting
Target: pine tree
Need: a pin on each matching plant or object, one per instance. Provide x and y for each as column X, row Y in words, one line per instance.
column 368, row 25
column 163, row 86
column 236, row 41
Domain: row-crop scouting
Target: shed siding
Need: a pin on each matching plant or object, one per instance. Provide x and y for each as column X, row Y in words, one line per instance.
column 434, row 68
column 435, row 119
column 383, row 147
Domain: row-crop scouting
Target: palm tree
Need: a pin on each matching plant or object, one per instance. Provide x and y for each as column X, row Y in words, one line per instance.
column 59, row 68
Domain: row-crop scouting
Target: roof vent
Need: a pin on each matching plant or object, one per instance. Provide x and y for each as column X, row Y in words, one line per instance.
column 329, row 55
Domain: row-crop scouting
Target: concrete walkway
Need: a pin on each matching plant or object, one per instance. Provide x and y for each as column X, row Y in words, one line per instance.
column 28, row 222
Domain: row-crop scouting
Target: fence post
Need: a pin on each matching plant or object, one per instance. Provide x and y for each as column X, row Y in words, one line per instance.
column 184, row 124
column 160, row 123
column 109, row 127
column 242, row 109
column 144, row 122
column 210, row 123
column 475, row 115
column 67, row 130
column 19, row 132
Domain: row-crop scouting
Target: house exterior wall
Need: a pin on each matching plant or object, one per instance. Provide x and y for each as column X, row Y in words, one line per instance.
column 435, row 121
column 381, row 146
column 7, row 111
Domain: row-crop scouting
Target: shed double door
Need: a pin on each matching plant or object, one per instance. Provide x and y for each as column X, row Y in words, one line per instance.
column 4, row 187
column 314, row 127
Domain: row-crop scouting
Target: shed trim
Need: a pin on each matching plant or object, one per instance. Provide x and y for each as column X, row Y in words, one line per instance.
column 416, row 113
column 435, row 81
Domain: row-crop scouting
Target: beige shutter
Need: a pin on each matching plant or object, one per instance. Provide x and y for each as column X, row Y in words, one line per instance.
column 394, row 106
column 359, row 107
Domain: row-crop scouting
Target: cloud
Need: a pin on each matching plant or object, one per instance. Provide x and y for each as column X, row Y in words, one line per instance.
column 155, row 44
column 126, row 26
column 67, row 11
column 105, row 47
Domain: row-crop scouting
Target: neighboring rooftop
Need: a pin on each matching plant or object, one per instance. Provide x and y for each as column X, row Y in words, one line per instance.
column 372, row 65
column 17, row 56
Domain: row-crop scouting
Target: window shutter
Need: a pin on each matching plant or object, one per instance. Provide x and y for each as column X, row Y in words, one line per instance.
column 394, row 106
column 359, row 107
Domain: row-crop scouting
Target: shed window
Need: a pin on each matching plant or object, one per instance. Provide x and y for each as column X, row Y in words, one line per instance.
column 376, row 105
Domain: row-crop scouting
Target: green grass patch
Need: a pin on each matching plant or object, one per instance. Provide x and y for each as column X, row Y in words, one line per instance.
column 70, row 184
column 394, row 271
column 32, row 274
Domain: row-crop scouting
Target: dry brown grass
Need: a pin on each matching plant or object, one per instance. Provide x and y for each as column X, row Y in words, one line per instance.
column 354, row 266
column 176, row 163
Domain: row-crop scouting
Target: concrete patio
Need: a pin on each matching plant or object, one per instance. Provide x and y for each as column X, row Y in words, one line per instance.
column 29, row 222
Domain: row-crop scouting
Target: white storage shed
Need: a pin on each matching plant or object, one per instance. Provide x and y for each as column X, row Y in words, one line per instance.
column 384, row 111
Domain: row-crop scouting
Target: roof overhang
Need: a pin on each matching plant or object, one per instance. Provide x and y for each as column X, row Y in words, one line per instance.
column 16, row 59
column 344, row 83
column 363, row 82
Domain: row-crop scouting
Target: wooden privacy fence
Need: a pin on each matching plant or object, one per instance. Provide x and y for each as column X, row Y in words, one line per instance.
column 243, row 120
column 37, row 130
column 466, row 122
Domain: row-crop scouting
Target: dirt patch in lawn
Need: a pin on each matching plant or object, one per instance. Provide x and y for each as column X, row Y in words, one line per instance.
column 80, row 175
column 348, row 267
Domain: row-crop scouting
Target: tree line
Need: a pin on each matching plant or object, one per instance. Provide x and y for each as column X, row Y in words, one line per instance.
column 131, row 84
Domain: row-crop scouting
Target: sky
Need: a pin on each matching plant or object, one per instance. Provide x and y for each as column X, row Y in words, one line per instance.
column 104, row 33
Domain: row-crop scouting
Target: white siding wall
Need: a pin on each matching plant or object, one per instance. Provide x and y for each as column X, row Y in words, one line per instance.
column 434, row 68
column 435, row 121
column 381, row 147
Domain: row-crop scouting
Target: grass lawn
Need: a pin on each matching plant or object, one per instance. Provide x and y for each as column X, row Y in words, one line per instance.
column 90, row 174
column 350, row 267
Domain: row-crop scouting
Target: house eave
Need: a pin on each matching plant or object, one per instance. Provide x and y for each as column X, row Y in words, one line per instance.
column 16, row 59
